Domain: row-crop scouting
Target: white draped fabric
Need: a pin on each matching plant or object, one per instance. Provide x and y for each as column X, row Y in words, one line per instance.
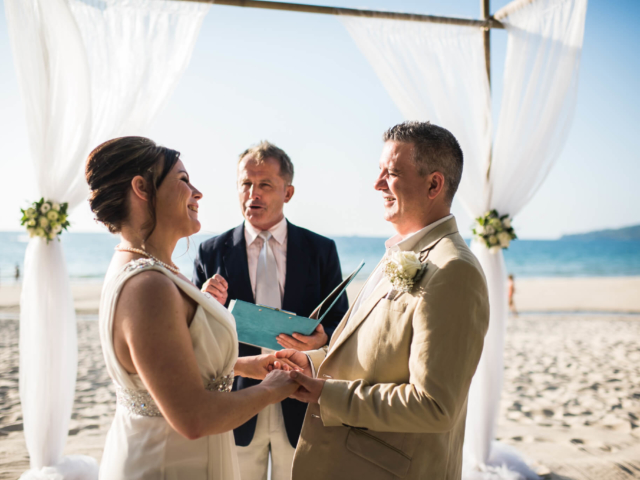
column 435, row 72
column 430, row 77
column 88, row 70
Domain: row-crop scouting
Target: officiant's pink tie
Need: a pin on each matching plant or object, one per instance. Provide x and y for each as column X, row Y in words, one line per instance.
column 267, row 286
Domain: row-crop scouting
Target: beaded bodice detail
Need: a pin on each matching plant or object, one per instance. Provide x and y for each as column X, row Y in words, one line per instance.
column 140, row 402
column 142, row 263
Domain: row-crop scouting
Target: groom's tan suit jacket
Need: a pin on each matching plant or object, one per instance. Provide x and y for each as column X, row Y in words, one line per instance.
column 398, row 373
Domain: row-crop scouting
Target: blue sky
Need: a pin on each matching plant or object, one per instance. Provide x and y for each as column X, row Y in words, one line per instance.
column 299, row 81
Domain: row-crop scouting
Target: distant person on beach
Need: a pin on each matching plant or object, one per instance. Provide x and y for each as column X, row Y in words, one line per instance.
column 511, row 292
column 170, row 349
column 270, row 261
column 17, row 274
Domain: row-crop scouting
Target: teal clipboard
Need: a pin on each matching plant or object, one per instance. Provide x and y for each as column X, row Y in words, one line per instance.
column 259, row 325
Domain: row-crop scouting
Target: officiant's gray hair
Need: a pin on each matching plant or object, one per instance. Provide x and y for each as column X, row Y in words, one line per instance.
column 264, row 150
column 435, row 149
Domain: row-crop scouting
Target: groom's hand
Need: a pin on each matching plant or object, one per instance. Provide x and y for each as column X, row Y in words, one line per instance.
column 303, row 343
column 299, row 359
column 310, row 388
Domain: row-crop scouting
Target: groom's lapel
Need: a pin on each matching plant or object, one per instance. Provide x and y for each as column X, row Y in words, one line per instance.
column 424, row 246
column 363, row 312
column 338, row 332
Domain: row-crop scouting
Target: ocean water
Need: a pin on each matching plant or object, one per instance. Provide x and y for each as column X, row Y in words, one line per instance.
column 88, row 256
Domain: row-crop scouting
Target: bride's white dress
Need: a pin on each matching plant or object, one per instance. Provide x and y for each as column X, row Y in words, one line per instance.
column 141, row 444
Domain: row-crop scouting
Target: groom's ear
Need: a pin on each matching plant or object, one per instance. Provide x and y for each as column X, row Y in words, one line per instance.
column 435, row 185
column 290, row 190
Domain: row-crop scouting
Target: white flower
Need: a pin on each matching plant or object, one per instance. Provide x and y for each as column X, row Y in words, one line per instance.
column 39, row 232
column 496, row 223
column 44, row 223
column 56, row 229
column 52, row 215
column 408, row 263
column 32, row 222
column 402, row 269
column 55, row 206
column 493, row 240
column 31, row 212
column 506, row 222
column 480, row 230
column 45, row 207
column 505, row 239
column 32, row 232
column 489, row 230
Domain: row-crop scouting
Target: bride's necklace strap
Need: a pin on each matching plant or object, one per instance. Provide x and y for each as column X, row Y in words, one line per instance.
column 172, row 268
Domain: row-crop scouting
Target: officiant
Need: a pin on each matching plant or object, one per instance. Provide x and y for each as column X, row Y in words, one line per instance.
column 269, row 261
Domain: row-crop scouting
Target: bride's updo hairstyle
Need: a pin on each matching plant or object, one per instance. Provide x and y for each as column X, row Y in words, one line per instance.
column 110, row 169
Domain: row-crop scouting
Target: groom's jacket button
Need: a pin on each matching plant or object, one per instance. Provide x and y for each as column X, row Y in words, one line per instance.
column 315, row 416
column 357, row 428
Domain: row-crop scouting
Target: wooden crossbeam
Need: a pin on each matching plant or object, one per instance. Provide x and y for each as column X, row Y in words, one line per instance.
column 486, row 23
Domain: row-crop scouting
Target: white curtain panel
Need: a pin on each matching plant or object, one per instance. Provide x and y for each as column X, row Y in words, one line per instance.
column 88, row 71
column 435, row 72
column 539, row 96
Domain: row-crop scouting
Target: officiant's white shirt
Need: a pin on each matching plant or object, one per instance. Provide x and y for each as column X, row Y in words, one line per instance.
column 278, row 243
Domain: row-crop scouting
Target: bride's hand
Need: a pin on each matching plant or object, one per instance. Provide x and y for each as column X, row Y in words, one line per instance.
column 258, row 366
column 280, row 384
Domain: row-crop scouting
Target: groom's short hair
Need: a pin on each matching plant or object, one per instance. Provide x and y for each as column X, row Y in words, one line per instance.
column 435, row 149
column 264, row 150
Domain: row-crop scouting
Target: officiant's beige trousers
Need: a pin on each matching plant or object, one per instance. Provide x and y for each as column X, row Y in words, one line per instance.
column 270, row 435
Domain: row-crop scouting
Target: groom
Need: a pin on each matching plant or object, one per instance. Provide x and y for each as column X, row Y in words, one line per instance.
column 390, row 395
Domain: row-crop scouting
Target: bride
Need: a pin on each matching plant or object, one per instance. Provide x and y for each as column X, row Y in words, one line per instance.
column 170, row 349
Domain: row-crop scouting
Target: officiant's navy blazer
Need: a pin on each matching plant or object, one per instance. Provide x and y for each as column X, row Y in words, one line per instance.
column 313, row 271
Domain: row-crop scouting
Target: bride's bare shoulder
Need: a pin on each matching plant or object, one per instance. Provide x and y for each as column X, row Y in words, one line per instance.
column 149, row 292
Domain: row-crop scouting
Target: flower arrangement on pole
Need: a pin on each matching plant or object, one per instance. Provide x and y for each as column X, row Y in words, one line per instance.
column 45, row 219
column 494, row 230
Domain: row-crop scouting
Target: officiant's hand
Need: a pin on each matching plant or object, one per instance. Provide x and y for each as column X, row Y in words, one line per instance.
column 310, row 388
column 303, row 343
column 217, row 286
column 296, row 358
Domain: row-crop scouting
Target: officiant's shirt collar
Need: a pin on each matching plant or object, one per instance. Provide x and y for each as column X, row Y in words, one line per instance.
column 279, row 232
column 408, row 242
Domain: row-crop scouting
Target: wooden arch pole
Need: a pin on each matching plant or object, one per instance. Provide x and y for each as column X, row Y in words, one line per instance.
column 486, row 23
column 485, row 14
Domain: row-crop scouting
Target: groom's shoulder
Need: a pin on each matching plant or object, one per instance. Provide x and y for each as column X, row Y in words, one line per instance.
column 453, row 253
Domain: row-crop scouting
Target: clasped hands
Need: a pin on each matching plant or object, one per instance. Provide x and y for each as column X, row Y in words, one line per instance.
column 292, row 361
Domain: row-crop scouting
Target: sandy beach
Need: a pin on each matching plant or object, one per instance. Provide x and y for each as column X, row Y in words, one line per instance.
column 591, row 294
column 571, row 400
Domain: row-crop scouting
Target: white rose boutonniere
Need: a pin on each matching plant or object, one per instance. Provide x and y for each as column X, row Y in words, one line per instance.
column 403, row 270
